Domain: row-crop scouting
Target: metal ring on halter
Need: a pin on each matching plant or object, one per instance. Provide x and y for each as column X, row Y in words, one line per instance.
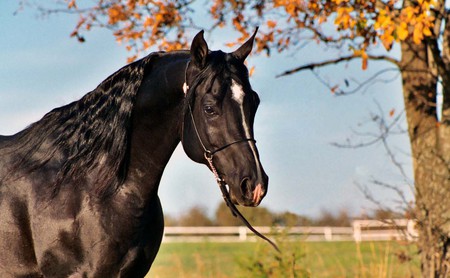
column 208, row 154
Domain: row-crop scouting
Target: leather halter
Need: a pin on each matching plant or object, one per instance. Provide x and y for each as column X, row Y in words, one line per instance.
column 208, row 154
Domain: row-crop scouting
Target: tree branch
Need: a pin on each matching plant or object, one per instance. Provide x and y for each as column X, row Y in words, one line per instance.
column 337, row 61
column 385, row 129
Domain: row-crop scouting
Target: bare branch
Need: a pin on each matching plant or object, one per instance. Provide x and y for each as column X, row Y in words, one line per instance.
column 370, row 81
column 337, row 61
column 385, row 129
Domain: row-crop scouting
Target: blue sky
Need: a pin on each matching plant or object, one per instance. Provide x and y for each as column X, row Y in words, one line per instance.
column 42, row 68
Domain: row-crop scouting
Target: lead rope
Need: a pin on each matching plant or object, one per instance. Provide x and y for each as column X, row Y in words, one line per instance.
column 231, row 206
column 225, row 194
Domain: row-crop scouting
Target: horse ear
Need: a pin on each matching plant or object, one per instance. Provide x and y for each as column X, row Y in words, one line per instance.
column 199, row 50
column 242, row 52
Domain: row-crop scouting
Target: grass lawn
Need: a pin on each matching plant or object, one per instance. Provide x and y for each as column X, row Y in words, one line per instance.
column 315, row 259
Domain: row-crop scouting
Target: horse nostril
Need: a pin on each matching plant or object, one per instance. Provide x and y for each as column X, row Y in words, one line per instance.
column 246, row 187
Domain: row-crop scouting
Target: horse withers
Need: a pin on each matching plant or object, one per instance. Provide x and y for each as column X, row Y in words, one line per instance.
column 78, row 188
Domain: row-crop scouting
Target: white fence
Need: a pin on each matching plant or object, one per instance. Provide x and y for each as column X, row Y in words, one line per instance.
column 361, row 230
column 398, row 229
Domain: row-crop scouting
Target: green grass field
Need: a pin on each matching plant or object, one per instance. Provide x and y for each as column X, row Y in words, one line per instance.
column 312, row 259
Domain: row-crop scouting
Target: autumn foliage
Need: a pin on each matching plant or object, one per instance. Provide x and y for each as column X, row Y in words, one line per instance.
column 356, row 24
column 138, row 25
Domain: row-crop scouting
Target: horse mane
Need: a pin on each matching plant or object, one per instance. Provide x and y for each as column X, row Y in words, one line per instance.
column 91, row 135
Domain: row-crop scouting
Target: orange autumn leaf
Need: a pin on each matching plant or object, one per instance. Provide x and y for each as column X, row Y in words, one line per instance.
column 402, row 31
column 364, row 56
column 251, row 71
column 231, row 44
column 344, row 18
column 418, row 34
column 392, row 112
column 72, row 4
column 131, row 59
column 271, row 24
column 334, row 89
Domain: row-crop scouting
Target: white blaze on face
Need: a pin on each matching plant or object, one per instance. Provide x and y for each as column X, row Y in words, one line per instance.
column 237, row 94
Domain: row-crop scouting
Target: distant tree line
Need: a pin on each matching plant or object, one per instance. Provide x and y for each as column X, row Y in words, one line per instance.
column 261, row 216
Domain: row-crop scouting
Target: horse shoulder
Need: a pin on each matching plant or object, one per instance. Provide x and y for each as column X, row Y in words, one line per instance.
column 145, row 231
column 16, row 240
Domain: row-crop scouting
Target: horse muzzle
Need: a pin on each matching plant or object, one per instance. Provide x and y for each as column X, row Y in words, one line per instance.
column 249, row 192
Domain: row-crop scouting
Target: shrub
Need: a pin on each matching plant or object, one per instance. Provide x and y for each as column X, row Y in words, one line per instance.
column 266, row 262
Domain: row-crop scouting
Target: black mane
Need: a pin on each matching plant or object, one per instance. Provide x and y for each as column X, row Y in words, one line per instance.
column 91, row 134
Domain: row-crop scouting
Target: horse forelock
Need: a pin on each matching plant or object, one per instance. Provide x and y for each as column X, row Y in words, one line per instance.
column 88, row 136
column 222, row 66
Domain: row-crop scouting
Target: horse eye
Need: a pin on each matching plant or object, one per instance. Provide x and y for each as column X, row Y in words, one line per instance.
column 208, row 110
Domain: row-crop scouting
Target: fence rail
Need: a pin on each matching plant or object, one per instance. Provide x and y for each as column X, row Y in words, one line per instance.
column 361, row 230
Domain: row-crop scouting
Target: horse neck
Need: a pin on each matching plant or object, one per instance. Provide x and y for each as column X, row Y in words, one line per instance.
column 157, row 123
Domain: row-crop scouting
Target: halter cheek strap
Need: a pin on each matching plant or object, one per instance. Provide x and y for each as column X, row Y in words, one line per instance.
column 207, row 151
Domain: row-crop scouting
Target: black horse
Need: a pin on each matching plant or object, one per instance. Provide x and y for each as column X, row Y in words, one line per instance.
column 79, row 188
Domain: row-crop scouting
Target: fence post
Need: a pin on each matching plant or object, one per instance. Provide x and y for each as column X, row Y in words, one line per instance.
column 327, row 232
column 411, row 233
column 357, row 231
column 242, row 233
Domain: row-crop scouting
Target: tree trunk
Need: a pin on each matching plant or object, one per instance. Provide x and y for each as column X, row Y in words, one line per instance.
column 430, row 144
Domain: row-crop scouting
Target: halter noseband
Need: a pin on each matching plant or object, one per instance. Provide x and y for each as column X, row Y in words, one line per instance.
column 208, row 154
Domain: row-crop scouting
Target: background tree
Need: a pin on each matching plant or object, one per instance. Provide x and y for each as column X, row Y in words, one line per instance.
column 358, row 29
column 259, row 216
column 327, row 218
column 289, row 219
column 195, row 216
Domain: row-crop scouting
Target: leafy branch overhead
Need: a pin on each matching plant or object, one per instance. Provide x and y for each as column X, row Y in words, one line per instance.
column 356, row 25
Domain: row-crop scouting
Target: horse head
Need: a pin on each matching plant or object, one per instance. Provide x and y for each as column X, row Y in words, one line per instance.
column 218, row 119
